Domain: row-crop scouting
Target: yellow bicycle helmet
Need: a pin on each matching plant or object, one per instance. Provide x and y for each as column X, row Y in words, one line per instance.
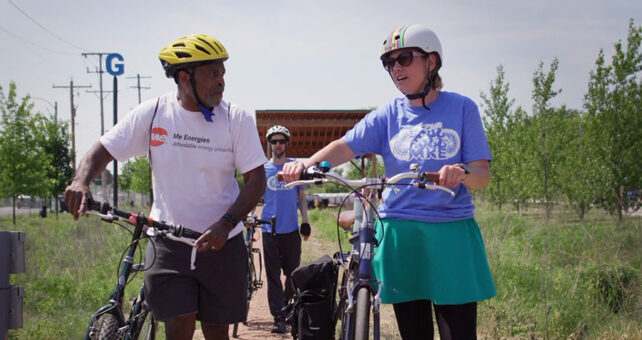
column 190, row 50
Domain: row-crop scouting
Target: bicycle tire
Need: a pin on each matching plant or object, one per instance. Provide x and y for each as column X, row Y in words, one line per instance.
column 105, row 327
column 362, row 314
column 341, row 312
column 149, row 328
column 251, row 275
column 146, row 325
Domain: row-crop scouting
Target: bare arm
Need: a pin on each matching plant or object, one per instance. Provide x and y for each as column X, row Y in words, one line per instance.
column 92, row 164
column 452, row 175
column 216, row 235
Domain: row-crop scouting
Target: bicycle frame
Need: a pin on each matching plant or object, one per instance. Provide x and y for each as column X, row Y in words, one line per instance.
column 114, row 307
column 359, row 274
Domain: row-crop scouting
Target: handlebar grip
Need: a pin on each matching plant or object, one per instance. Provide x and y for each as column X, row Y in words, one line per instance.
column 191, row 234
column 432, row 176
column 94, row 205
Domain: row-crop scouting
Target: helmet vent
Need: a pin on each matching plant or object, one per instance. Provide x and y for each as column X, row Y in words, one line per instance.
column 182, row 55
column 207, row 43
column 200, row 48
column 397, row 37
column 178, row 45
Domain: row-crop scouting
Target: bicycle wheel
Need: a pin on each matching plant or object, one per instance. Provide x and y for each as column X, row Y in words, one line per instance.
column 149, row 328
column 146, row 325
column 341, row 314
column 362, row 315
column 105, row 328
column 251, row 275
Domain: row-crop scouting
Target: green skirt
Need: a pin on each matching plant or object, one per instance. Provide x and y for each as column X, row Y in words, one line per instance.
column 442, row 262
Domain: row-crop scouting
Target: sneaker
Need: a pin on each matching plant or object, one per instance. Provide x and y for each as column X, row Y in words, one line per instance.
column 279, row 327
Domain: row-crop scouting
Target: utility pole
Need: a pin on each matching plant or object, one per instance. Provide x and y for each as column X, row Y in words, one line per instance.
column 99, row 70
column 138, row 77
column 73, row 117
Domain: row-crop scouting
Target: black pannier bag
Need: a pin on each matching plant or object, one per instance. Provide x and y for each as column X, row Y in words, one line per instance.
column 310, row 312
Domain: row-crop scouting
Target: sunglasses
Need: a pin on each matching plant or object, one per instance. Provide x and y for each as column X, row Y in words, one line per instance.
column 404, row 59
column 278, row 141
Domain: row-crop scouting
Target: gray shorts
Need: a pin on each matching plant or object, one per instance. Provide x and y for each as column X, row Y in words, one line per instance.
column 216, row 290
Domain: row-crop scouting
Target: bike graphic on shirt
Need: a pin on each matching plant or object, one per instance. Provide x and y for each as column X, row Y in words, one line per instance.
column 426, row 141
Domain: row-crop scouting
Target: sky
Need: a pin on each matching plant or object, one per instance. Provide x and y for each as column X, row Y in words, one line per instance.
column 287, row 54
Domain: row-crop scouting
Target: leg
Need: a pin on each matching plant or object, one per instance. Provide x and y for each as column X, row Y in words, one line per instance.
column 457, row 321
column 414, row 319
column 215, row 332
column 290, row 245
column 272, row 261
column 180, row 327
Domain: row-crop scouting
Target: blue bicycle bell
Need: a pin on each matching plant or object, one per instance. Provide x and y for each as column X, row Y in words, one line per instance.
column 324, row 166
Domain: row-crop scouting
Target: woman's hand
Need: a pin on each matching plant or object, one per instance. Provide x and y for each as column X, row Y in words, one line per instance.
column 451, row 175
column 292, row 171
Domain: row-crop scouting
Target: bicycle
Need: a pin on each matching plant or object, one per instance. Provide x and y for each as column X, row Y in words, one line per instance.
column 109, row 322
column 254, row 281
column 358, row 291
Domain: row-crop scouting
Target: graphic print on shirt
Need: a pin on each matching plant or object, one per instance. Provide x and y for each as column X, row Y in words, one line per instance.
column 185, row 140
column 274, row 184
column 158, row 137
column 425, row 141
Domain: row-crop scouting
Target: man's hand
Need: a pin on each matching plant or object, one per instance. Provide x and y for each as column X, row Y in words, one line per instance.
column 214, row 237
column 77, row 197
column 305, row 231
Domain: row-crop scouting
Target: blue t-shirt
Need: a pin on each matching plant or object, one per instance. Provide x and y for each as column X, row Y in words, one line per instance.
column 279, row 202
column 450, row 132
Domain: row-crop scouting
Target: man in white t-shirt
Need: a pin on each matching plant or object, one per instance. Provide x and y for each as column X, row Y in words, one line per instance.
column 196, row 141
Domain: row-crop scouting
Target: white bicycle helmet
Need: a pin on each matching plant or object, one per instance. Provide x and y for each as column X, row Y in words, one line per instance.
column 415, row 35
column 420, row 37
column 278, row 129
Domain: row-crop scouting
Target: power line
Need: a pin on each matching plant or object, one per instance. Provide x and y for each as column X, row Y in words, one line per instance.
column 30, row 42
column 44, row 28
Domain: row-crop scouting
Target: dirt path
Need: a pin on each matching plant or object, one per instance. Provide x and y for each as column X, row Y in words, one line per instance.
column 259, row 318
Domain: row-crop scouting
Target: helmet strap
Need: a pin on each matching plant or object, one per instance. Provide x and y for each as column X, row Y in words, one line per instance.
column 424, row 93
column 207, row 113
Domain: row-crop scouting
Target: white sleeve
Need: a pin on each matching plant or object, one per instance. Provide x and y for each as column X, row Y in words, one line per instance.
column 130, row 136
column 248, row 153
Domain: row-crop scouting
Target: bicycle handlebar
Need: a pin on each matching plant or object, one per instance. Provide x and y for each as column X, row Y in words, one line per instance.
column 314, row 175
column 111, row 214
column 253, row 220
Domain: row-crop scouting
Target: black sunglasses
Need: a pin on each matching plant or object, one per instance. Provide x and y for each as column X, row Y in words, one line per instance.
column 279, row 141
column 404, row 59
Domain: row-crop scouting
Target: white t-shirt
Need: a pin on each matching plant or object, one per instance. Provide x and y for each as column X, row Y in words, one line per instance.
column 193, row 161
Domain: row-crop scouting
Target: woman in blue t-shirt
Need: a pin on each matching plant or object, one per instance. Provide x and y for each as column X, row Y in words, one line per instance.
column 432, row 254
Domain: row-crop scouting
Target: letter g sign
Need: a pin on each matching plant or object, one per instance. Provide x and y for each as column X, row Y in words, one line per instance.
column 119, row 67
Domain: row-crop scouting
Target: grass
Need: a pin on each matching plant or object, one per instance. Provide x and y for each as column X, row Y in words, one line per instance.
column 562, row 279
column 559, row 279
column 71, row 270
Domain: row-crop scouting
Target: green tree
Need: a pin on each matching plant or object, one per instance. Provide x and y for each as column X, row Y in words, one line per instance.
column 548, row 145
column 55, row 142
column 24, row 162
column 141, row 180
column 125, row 178
column 497, row 109
column 613, row 106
